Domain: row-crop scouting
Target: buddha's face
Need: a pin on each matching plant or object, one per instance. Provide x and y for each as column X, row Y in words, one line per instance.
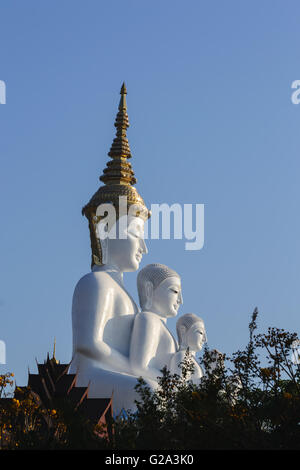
column 167, row 297
column 195, row 336
column 126, row 249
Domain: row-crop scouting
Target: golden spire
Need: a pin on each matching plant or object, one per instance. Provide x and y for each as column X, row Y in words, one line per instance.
column 118, row 171
column 118, row 178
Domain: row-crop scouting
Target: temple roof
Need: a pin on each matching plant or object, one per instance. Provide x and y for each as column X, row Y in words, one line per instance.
column 53, row 382
column 95, row 408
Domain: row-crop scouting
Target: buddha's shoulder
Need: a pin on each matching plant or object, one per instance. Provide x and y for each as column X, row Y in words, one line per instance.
column 179, row 355
column 147, row 317
column 98, row 280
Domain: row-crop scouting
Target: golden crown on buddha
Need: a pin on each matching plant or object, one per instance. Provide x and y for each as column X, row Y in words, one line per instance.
column 118, row 178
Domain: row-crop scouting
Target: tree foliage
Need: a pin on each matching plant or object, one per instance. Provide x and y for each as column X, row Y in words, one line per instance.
column 250, row 400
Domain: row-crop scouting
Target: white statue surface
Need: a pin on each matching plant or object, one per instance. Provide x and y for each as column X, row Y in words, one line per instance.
column 152, row 344
column 102, row 310
column 191, row 336
column 114, row 342
column 103, row 314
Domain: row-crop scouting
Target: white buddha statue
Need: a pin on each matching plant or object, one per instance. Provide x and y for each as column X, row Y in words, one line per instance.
column 102, row 310
column 192, row 336
column 103, row 313
column 152, row 344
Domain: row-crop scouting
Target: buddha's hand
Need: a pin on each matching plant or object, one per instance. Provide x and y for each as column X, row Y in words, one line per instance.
column 215, row 360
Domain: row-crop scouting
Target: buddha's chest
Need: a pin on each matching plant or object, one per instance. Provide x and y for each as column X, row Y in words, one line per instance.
column 167, row 344
column 166, row 348
column 123, row 305
column 119, row 324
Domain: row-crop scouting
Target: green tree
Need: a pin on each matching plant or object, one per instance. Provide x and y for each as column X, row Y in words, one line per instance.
column 250, row 400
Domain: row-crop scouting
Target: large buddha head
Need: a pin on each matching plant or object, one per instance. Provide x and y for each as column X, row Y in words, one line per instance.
column 120, row 243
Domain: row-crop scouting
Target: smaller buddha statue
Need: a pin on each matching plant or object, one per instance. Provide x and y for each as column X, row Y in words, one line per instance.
column 191, row 336
column 152, row 344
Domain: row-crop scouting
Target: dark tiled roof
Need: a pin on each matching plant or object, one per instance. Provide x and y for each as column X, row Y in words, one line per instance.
column 53, row 381
column 78, row 394
column 64, row 384
column 93, row 408
column 38, row 385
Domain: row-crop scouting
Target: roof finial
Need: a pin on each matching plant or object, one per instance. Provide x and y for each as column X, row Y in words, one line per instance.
column 54, row 348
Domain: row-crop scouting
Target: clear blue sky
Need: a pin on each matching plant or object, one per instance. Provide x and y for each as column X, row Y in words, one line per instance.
column 212, row 122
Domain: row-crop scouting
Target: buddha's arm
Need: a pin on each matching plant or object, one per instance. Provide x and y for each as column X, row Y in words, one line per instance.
column 175, row 362
column 176, row 367
column 92, row 306
column 143, row 347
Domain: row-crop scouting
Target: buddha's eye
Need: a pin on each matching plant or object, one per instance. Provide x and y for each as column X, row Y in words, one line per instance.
column 199, row 332
column 175, row 290
column 134, row 234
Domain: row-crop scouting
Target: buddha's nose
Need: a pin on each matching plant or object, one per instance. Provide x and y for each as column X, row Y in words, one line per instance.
column 144, row 246
column 180, row 299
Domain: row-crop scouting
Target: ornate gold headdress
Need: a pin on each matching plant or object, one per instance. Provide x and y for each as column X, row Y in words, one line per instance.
column 118, row 178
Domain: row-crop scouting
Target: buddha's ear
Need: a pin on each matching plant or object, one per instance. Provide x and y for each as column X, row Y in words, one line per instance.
column 149, row 294
column 102, row 236
column 182, row 330
column 104, row 249
column 181, row 335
